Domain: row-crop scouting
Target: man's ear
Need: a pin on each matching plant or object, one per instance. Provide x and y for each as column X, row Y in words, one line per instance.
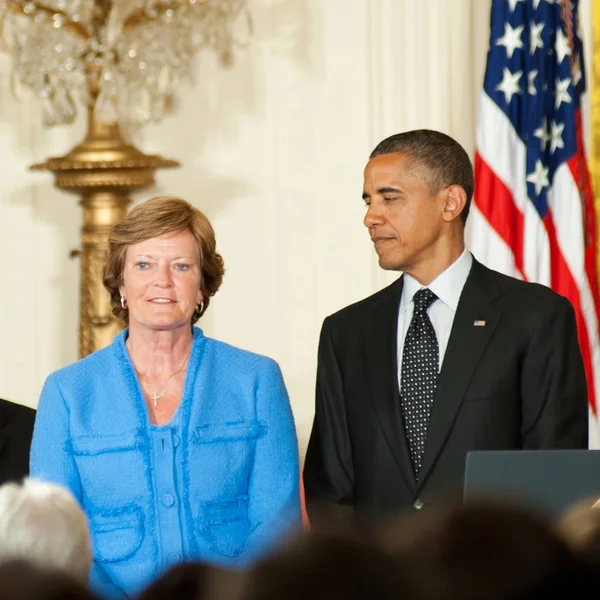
column 455, row 199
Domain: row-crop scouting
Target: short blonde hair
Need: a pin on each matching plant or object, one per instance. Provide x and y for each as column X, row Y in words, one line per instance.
column 155, row 217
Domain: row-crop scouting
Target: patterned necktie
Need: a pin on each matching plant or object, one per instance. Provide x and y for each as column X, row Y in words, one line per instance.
column 418, row 377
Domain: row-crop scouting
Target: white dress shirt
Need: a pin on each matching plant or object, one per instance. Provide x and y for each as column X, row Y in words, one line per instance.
column 448, row 287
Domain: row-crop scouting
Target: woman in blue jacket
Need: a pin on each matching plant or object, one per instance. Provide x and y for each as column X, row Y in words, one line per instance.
column 176, row 445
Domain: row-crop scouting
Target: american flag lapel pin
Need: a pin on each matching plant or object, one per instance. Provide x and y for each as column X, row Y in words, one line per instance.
column 478, row 323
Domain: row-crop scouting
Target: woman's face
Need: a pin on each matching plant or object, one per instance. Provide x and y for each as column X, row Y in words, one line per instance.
column 161, row 281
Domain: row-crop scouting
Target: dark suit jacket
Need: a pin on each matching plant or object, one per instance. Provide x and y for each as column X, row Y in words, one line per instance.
column 517, row 382
column 16, row 429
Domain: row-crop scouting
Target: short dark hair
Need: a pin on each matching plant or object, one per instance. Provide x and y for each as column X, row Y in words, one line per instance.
column 488, row 549
column 22, row 580
column 445, row 160
column 328, row 566
column 193, row 581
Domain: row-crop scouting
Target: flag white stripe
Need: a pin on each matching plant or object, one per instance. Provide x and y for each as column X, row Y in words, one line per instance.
column 502, row 149
column 487, row 246
column 504, row 152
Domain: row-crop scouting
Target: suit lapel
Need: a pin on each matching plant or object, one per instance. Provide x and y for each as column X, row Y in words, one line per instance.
column 465, row 349
column 380, row 357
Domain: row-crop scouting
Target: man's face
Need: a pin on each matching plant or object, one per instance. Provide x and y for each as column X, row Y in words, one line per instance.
column 404, row 219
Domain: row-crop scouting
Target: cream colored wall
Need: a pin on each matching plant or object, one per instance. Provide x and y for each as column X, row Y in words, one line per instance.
column 273, row 151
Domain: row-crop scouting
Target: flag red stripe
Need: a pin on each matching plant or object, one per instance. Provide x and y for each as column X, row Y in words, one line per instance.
column 564, row 284
column 496, row 203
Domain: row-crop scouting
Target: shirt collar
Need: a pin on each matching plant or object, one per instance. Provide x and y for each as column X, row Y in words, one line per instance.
column 447, row 286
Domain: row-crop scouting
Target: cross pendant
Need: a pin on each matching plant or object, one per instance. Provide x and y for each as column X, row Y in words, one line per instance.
column 155, row 397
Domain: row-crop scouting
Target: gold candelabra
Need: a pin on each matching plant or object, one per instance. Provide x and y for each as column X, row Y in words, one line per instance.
column 126, row 58
column 595, row 119
column 103, row 170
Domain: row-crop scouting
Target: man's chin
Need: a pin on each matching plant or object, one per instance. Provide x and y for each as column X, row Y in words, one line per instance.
column 389, row 264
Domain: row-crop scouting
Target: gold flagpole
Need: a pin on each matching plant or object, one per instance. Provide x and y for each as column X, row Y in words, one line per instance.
column 595, row 120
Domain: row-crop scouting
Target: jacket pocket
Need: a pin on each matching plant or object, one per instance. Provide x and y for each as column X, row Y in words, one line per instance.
column 116, row 534
column 225, row 525
column 92, row 445
column 241, row 431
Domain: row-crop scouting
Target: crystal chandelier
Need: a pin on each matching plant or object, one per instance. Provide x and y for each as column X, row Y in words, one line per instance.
column 122, row 61
column 130, row 56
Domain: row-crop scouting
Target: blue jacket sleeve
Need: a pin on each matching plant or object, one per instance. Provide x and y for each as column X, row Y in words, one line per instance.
column 274, row 491
column 51, row 459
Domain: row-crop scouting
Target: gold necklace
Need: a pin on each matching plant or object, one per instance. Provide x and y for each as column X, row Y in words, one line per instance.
column 159, row 393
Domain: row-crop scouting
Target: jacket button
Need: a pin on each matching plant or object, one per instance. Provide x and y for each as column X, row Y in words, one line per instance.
column 174, row 558
column 168, row 500
column 418, row 504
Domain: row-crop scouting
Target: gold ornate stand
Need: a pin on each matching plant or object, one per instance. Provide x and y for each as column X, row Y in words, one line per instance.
column 116, row 51
column 595, row 119
column 104, row 170
column 595, row 116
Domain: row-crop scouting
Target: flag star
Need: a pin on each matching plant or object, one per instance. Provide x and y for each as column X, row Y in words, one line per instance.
column 531, row 82
column 539, row 177
column 509, row 84
column 562, row 91
column 513, row 4
column 535, row 37
column 562, row 46
column 557, row 141
column 542, row 133
column 511, row 39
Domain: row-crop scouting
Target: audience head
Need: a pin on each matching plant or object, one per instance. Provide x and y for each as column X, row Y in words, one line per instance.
column 42, row 523
column 327, row 567
column 485, row 551
column 580, row 528
column 194, row 581
column 156, row 218
column 20, row 580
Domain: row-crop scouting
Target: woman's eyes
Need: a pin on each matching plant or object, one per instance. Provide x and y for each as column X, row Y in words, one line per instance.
column 144, row 266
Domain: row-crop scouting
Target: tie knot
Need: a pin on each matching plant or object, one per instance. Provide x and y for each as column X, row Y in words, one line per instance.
column 423, row 299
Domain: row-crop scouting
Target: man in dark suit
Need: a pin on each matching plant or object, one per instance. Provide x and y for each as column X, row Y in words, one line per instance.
column 451, row 357
column 16, row 429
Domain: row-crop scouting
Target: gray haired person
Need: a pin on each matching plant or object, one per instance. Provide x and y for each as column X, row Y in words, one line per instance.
column 42, row 523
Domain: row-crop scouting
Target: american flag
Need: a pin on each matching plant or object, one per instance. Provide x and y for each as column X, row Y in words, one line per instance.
column 534, row 214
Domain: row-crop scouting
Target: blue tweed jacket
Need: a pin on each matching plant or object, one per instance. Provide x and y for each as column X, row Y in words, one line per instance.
column 219, row 483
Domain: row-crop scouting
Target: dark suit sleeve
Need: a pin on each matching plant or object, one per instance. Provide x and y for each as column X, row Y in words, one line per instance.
column 553, row 383
column 328, row 471
column 16, row 429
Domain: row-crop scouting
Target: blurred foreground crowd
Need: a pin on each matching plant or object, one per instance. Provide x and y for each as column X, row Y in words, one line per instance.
column 484, row 550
